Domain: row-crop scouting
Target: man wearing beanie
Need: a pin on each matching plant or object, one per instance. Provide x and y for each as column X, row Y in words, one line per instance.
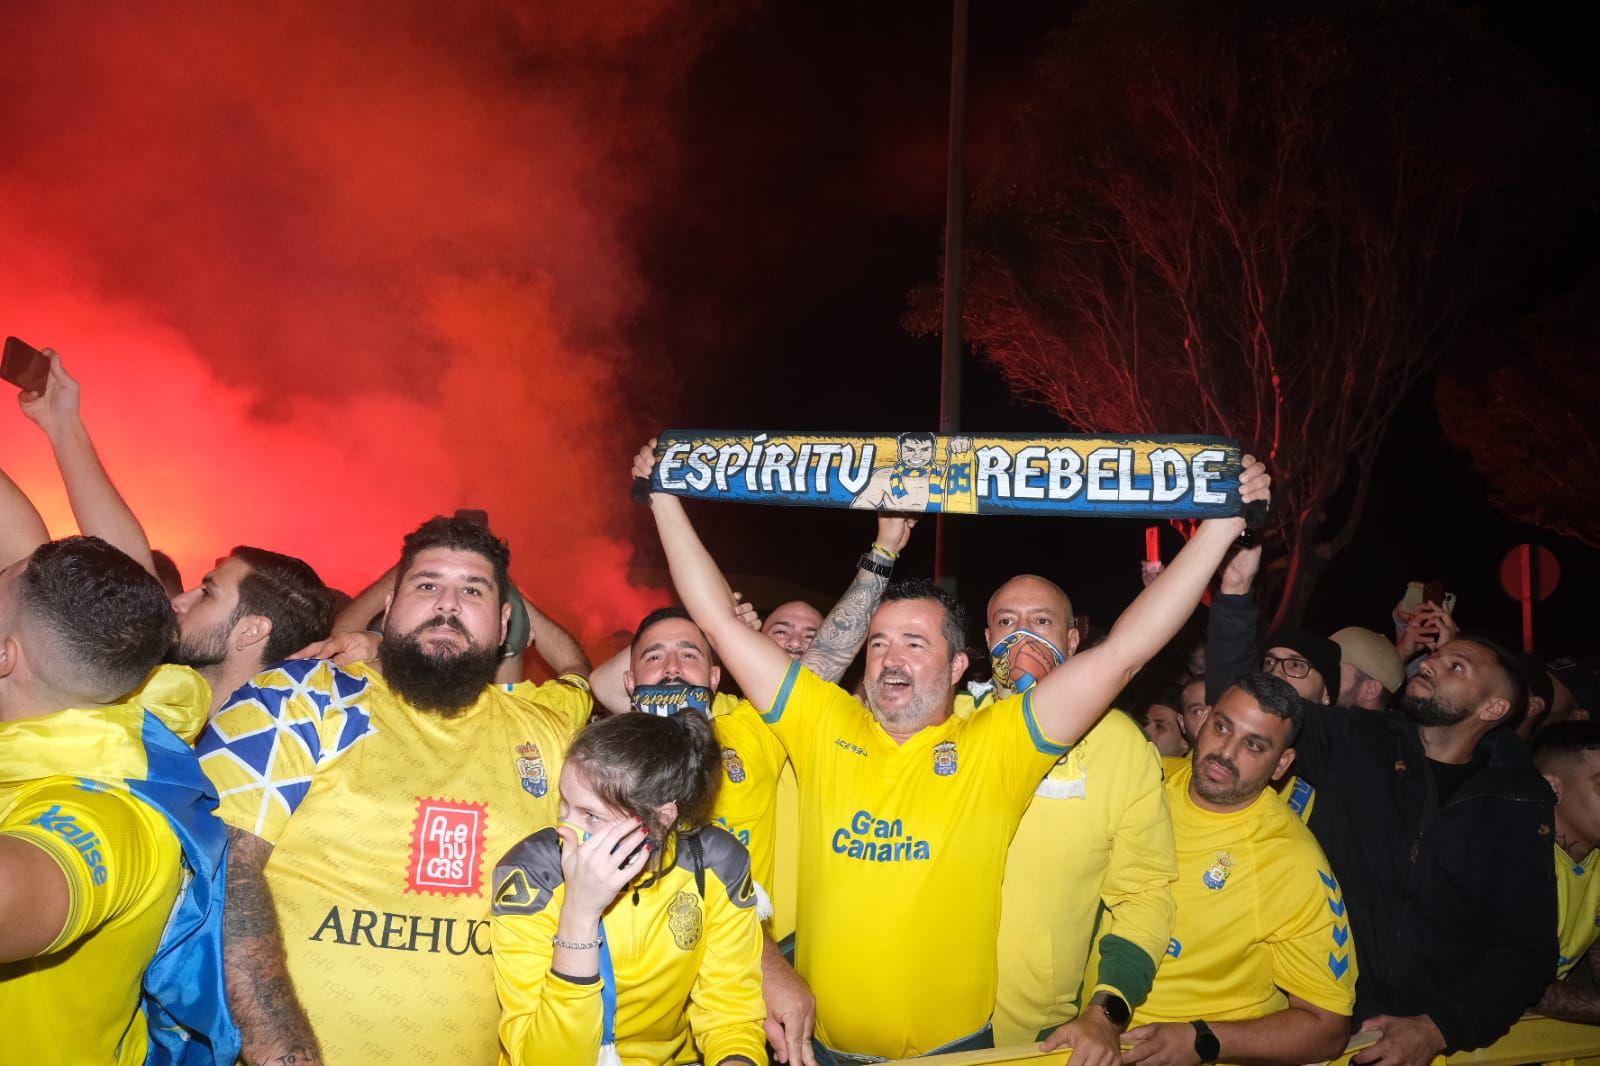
column 1308, row 662
column 1370, row 671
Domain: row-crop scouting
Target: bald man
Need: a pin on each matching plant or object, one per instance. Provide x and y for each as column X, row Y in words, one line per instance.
column 1098, row 833
column 793, row 626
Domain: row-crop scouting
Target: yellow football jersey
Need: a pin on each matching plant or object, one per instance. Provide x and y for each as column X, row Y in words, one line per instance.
column 1578, row 900
column 1091, row 867
column 894, row 840
column 1259, row 914
column 747, row 802
column 123, row 866
column 79, row 1000
column 685, row 955
column 386, row 823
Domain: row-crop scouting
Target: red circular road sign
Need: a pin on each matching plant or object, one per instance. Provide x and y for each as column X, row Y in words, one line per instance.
column 1541, row 566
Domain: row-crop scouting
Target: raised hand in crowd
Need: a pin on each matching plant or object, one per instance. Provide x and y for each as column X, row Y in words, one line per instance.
column 96, row 504
column 1430, row 627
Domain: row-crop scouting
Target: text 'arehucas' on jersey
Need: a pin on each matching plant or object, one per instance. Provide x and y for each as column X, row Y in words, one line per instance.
column 1578, row 901
column 1087, row 901
column 902, row 851
column 385, row 823
column 1259, row 914
column 747, row 801
column 684, row 961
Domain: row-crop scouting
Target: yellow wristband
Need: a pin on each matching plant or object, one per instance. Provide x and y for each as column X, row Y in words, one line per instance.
column 885, row 552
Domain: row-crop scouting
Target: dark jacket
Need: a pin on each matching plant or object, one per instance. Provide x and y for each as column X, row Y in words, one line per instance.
column 1452, row 907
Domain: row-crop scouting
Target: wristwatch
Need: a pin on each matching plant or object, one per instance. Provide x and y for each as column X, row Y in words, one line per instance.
column 1116, row 1009
column 873, row 565
column 1206, row 1044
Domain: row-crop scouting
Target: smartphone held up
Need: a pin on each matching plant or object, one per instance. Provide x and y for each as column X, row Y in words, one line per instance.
column 24, row 366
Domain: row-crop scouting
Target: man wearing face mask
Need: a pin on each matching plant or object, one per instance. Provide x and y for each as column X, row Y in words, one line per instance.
column 1092, row 861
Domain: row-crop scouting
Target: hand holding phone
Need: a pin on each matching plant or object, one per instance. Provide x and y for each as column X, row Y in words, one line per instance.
column 24, row 366
column 54, row 404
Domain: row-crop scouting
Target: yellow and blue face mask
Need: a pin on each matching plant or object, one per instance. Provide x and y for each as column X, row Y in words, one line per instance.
column 1003, row 659
column 664, row 701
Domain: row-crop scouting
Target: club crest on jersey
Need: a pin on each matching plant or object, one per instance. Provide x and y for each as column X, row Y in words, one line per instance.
column 733, row 765
column 683, row 918
column 1216, row 874
column 944, row 758
column 530, row 767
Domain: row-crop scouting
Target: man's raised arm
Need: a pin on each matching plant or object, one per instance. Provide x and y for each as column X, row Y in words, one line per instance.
column 96, row 504
column 845, row 629
column 757, row 663
column 1072, row 697
column 21, row 528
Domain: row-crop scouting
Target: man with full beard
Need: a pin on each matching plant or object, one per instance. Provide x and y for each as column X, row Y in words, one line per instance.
column 1439, row 829
column 366, row 805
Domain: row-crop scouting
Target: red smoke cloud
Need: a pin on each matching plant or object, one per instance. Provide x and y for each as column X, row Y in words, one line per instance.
column 325, row 270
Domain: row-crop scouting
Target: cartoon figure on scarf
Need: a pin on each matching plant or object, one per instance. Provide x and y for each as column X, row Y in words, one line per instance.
column 914, row 482
column 1021, row 658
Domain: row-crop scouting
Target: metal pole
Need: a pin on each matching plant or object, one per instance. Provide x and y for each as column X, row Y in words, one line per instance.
column 1526, row 551
column 954, row 243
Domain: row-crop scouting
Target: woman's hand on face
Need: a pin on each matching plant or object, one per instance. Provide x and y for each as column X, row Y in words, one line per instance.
column 596, row 869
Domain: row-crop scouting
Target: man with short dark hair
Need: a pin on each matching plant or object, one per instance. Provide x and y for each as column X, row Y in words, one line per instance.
column 110, row 856
column 229, row 628
column 367, row 805
column 256, row 608
column 906, row 809
column 1260, row 967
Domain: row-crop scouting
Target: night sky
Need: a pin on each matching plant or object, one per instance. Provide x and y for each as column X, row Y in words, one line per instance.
column 326, row 272
column 817, row 172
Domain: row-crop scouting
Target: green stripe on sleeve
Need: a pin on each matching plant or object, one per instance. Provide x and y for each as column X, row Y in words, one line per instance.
column 1040, row 741
column 1125, row 967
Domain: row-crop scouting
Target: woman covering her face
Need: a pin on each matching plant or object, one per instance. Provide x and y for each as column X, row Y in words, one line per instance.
column 632, row 924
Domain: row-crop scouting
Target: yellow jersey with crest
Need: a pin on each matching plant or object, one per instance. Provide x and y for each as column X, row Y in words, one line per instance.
column 1578, row 903
column 684, row 954
column 1260, row 914
column 385, row 824
column 895, row 839
column 1087, row 900
column 747, row 801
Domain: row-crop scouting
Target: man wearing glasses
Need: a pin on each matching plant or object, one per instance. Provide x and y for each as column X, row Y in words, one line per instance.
column 1308, row 662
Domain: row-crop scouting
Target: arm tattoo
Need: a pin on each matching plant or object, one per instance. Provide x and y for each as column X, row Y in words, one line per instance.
column 260, row 995
column 1577, row 997
column 845, row 629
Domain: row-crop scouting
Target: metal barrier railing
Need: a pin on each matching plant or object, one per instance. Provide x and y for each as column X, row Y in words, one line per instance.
column 1531, row 1040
